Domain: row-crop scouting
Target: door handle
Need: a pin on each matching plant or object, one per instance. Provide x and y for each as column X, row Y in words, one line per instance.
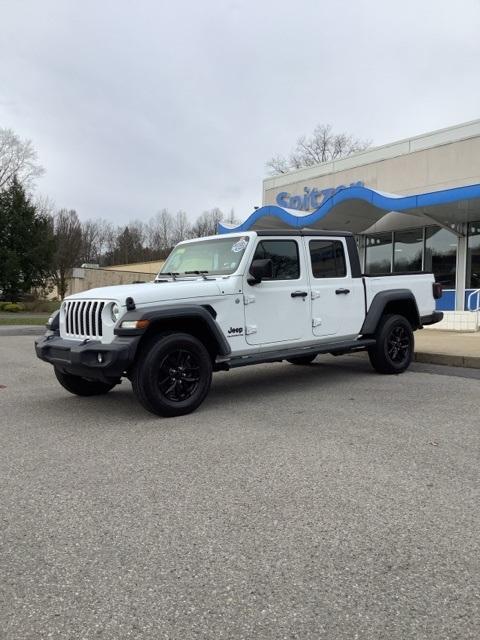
column 339, row 291
column 299, row 294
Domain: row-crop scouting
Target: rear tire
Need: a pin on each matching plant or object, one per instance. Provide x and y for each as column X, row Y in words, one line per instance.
column 393, row 351
column 304, row 360
column 81, row 386
column 174, row 376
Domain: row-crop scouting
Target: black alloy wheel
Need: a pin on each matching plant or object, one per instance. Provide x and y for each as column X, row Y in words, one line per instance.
column 394, row 347
column 179, row 375
column 172, row 374
column 398, row 344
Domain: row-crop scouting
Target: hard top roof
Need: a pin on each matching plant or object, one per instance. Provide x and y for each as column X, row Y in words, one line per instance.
column 302, row 232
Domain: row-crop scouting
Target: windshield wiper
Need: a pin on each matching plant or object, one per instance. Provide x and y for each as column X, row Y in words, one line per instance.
column 173, row 274
column 197, row 273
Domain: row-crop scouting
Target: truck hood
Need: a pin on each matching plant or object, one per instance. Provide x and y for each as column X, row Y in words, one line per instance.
column 151, row 292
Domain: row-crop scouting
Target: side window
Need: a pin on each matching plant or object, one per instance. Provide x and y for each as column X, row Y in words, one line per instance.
column 284, row 256
column 328, row 259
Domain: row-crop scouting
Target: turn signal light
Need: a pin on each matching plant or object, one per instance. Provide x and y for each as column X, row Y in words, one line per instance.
column 135, row 324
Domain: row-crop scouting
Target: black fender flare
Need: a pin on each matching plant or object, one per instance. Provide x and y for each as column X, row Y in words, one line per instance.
column 202, row 314
column 379, row 303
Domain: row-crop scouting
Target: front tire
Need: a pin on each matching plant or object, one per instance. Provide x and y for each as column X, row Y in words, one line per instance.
column 81, row 386
column 393, row 351
column 174, row 376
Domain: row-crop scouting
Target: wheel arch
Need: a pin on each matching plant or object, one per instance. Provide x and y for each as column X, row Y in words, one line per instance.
column 198, row 321
column 395, row 301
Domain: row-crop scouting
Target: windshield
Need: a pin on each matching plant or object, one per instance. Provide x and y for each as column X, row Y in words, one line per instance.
column 215, row 257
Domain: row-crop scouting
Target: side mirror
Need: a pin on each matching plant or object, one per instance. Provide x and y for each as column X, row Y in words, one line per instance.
column 260, row 270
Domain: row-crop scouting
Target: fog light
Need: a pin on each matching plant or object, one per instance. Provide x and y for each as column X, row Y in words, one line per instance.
column 100, row 357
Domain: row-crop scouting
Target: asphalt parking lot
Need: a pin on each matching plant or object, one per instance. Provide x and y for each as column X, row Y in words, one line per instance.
column 298, row 502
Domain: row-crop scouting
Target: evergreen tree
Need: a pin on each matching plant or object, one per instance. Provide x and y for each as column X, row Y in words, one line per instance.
column 26, row 243
column 129, row 247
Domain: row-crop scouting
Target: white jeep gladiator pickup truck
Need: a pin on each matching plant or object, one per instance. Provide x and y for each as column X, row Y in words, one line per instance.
column 231, row 300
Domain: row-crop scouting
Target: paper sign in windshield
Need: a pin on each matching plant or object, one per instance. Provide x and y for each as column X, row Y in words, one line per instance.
column 239, row 245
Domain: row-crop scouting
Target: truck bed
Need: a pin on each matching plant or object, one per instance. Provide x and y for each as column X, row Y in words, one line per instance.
column 420, row 284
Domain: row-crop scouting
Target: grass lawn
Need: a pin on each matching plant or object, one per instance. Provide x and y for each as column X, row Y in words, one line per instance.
column 16, row 319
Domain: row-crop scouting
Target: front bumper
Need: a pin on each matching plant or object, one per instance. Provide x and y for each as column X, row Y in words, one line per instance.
column 82, row 358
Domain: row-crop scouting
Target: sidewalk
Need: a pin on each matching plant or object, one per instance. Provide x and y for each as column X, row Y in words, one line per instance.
column 451, row 348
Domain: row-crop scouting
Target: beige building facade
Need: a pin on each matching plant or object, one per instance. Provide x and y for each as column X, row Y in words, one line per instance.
column 444, row 238
column 430, row 162
column 91, row 277
column 85, row 278
column 151, row 267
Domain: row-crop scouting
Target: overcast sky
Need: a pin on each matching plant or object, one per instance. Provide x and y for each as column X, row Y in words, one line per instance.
column 135, row 106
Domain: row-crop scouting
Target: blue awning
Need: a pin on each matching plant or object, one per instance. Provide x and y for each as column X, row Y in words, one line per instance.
column 358, row 208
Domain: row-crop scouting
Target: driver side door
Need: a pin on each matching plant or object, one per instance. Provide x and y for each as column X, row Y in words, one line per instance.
column 278, row 309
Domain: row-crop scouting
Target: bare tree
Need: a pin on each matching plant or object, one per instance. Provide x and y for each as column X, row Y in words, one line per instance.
column 68, row 247
column 140, row 230
column 91, row 242
column 207, row 223
column 322, row 146
column 181, row 228
column 278, row 164
column 108, row 234
column 159, row 231
column 231, row 219
column 45, row 205
column 18, row 158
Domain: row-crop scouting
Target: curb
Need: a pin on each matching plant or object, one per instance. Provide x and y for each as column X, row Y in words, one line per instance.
column 21, row 330
column 469, row 362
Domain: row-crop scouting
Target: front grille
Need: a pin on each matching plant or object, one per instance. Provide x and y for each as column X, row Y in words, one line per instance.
column 83, row 318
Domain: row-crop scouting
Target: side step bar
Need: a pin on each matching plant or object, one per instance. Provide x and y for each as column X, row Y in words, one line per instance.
column 335, row 348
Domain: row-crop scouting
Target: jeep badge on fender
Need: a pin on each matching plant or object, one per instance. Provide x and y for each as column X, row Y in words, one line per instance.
column 235, row 331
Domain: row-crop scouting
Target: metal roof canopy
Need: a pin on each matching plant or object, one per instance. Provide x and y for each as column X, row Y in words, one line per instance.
column 363, row 210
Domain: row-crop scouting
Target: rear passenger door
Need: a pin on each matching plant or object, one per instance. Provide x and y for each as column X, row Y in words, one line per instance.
column 337, row 297
column 278, row 309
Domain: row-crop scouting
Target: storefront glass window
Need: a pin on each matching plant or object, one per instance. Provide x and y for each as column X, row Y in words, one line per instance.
column 408, row 250
column 378, row 253
column 441, row 255
column 473, row 256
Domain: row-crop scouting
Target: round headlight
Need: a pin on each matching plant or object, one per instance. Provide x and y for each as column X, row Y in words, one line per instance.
column 53, row 321
column 115, row 310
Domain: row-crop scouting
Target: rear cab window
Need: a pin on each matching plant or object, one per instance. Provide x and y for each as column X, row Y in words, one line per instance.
column 327, row 258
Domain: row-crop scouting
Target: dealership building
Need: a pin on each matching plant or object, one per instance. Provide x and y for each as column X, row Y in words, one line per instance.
column 414, row 205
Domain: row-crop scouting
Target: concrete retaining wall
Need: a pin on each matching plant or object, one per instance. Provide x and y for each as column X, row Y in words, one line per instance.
column 86, row 278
